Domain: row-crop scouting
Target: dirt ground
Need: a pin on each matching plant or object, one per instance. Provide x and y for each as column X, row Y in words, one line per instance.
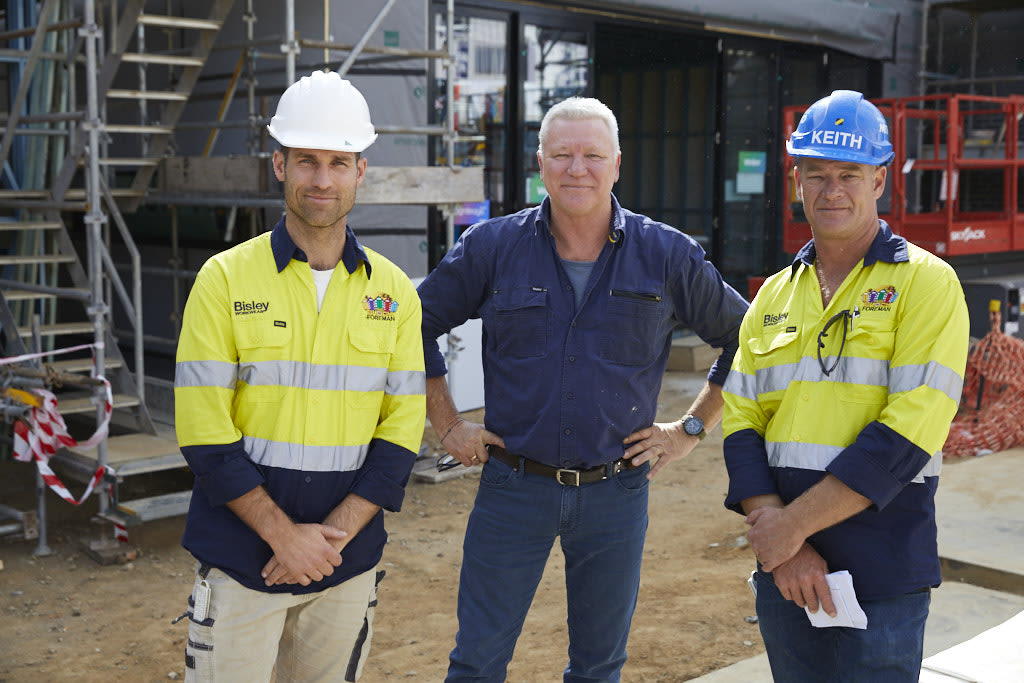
column 67, row 618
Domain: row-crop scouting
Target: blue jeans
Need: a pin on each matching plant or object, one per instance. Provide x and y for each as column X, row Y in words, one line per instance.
column 889, row 650
column 510, row 533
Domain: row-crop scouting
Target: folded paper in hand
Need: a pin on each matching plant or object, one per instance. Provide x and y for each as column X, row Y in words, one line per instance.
column 848, row 610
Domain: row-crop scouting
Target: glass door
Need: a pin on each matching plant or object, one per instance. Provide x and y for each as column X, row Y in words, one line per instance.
column 480, row 89
column 555, row 65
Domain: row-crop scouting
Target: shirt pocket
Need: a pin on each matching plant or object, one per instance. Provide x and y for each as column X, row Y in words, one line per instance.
column 630, row 327
column 520, row 323
column 776, row 355
column 371, row 348
column 373, row 344
column 263, row 371
column 865, row 367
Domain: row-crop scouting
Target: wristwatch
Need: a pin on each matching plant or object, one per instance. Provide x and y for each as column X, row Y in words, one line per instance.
column 694, row 426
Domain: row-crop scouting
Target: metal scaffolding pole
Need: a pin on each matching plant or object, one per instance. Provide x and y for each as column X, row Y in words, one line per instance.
column 95, row 219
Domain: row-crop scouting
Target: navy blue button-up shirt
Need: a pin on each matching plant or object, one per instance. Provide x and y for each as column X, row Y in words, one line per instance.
column 564, row 386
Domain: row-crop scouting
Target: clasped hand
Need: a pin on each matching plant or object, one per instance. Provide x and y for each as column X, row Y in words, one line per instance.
column 309, row 553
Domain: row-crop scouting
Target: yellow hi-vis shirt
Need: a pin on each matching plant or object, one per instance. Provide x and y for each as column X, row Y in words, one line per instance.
column 312, row 406
column 261, row 364
column 877, row 419
column 902, row 362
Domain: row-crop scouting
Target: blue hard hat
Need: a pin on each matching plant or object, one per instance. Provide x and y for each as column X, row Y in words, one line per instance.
column 843, row 127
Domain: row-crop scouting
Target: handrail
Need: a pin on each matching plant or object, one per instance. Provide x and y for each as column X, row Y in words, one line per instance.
column 133, row 308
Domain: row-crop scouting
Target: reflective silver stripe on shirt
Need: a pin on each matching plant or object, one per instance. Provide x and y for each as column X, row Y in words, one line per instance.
column 205, row 373
column 931, row 374
column 294, row 456
column 813, row 456
column 406, row 383
column 740, row 384
column 863, row 371
column 301, row 375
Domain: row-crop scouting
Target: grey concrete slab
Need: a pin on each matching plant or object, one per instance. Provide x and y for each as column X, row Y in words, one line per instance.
column 980, row 514
column 959, row 612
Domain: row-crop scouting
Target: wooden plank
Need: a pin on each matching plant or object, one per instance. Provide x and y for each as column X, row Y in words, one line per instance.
column 421, row 185
column 239, row 176
column 155, row 507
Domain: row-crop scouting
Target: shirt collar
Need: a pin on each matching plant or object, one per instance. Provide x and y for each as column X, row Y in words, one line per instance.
column 285, row 250
column 886, row 247
column 615, row 231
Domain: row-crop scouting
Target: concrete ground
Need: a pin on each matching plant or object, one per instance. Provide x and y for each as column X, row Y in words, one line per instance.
column 980, row 510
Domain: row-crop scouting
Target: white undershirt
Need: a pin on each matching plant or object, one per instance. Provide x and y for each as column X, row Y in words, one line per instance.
column 321, row 278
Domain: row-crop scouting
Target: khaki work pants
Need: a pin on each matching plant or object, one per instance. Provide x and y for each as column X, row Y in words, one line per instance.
column 321, row 636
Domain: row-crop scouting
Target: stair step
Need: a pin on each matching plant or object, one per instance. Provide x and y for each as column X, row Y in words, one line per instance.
column 178, row 22
column 129, row 161
column 132, row 512
column 32, row 295
column 25, row 194
column 34, row 258
column 137, row 128
column 20, row 199
column 30, row 225
column 84, row 364
column 25, row 295
column 75, row 193
column 147, row 95
column 58, row 329
column 84, row 405
column 116, row 192
column 169, row 60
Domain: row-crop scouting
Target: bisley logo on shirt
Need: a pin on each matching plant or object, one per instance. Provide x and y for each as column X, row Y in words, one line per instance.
column 251, row 307
column 774, row 319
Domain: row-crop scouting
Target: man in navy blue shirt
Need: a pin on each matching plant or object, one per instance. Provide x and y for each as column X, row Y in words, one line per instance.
column 579, row 299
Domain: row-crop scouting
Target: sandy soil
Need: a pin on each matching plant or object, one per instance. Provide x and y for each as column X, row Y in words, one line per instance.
column 67, row 618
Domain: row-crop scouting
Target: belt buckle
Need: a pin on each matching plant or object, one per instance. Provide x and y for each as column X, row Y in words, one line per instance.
column 560, row 472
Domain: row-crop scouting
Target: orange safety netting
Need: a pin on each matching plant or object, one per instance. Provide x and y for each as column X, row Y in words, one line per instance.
column 991, row 415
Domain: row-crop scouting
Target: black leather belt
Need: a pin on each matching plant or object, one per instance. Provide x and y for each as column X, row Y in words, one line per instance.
column 566, row 477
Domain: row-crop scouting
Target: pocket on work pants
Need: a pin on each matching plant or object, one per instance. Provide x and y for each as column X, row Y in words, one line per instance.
column 237, row 637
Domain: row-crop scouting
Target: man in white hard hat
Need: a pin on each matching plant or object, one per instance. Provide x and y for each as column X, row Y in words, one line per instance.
column 299, row 406
column 849, row 372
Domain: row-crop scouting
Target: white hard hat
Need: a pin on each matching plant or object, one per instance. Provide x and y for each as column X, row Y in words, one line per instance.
column 323, row 111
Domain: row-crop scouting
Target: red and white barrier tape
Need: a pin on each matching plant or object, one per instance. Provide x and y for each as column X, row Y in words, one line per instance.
column 32, row 356
column 45, row 433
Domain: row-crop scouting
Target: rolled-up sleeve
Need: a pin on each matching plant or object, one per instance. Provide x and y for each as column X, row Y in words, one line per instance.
column 711, row 308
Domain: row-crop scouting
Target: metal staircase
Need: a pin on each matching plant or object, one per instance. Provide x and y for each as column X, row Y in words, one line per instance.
column 96, row 158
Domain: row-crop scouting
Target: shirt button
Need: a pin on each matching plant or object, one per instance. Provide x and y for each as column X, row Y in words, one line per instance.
column 796, row 437
column 570, row 396
column 572, row 359
column 308, row 478
column 804, row 396
column 568, row 432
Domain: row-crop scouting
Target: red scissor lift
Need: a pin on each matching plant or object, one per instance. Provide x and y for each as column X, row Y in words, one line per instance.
column 964, row 147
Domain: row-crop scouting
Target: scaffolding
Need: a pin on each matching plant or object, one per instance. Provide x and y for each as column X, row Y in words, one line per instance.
column 98, row 93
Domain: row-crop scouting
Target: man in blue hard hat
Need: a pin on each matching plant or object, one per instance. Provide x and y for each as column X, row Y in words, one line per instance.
column 849, row 372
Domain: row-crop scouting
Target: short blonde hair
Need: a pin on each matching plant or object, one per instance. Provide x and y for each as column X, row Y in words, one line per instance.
column 578, row 109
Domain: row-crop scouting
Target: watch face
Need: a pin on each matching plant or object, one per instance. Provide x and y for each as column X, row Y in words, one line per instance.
column 693, row 425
